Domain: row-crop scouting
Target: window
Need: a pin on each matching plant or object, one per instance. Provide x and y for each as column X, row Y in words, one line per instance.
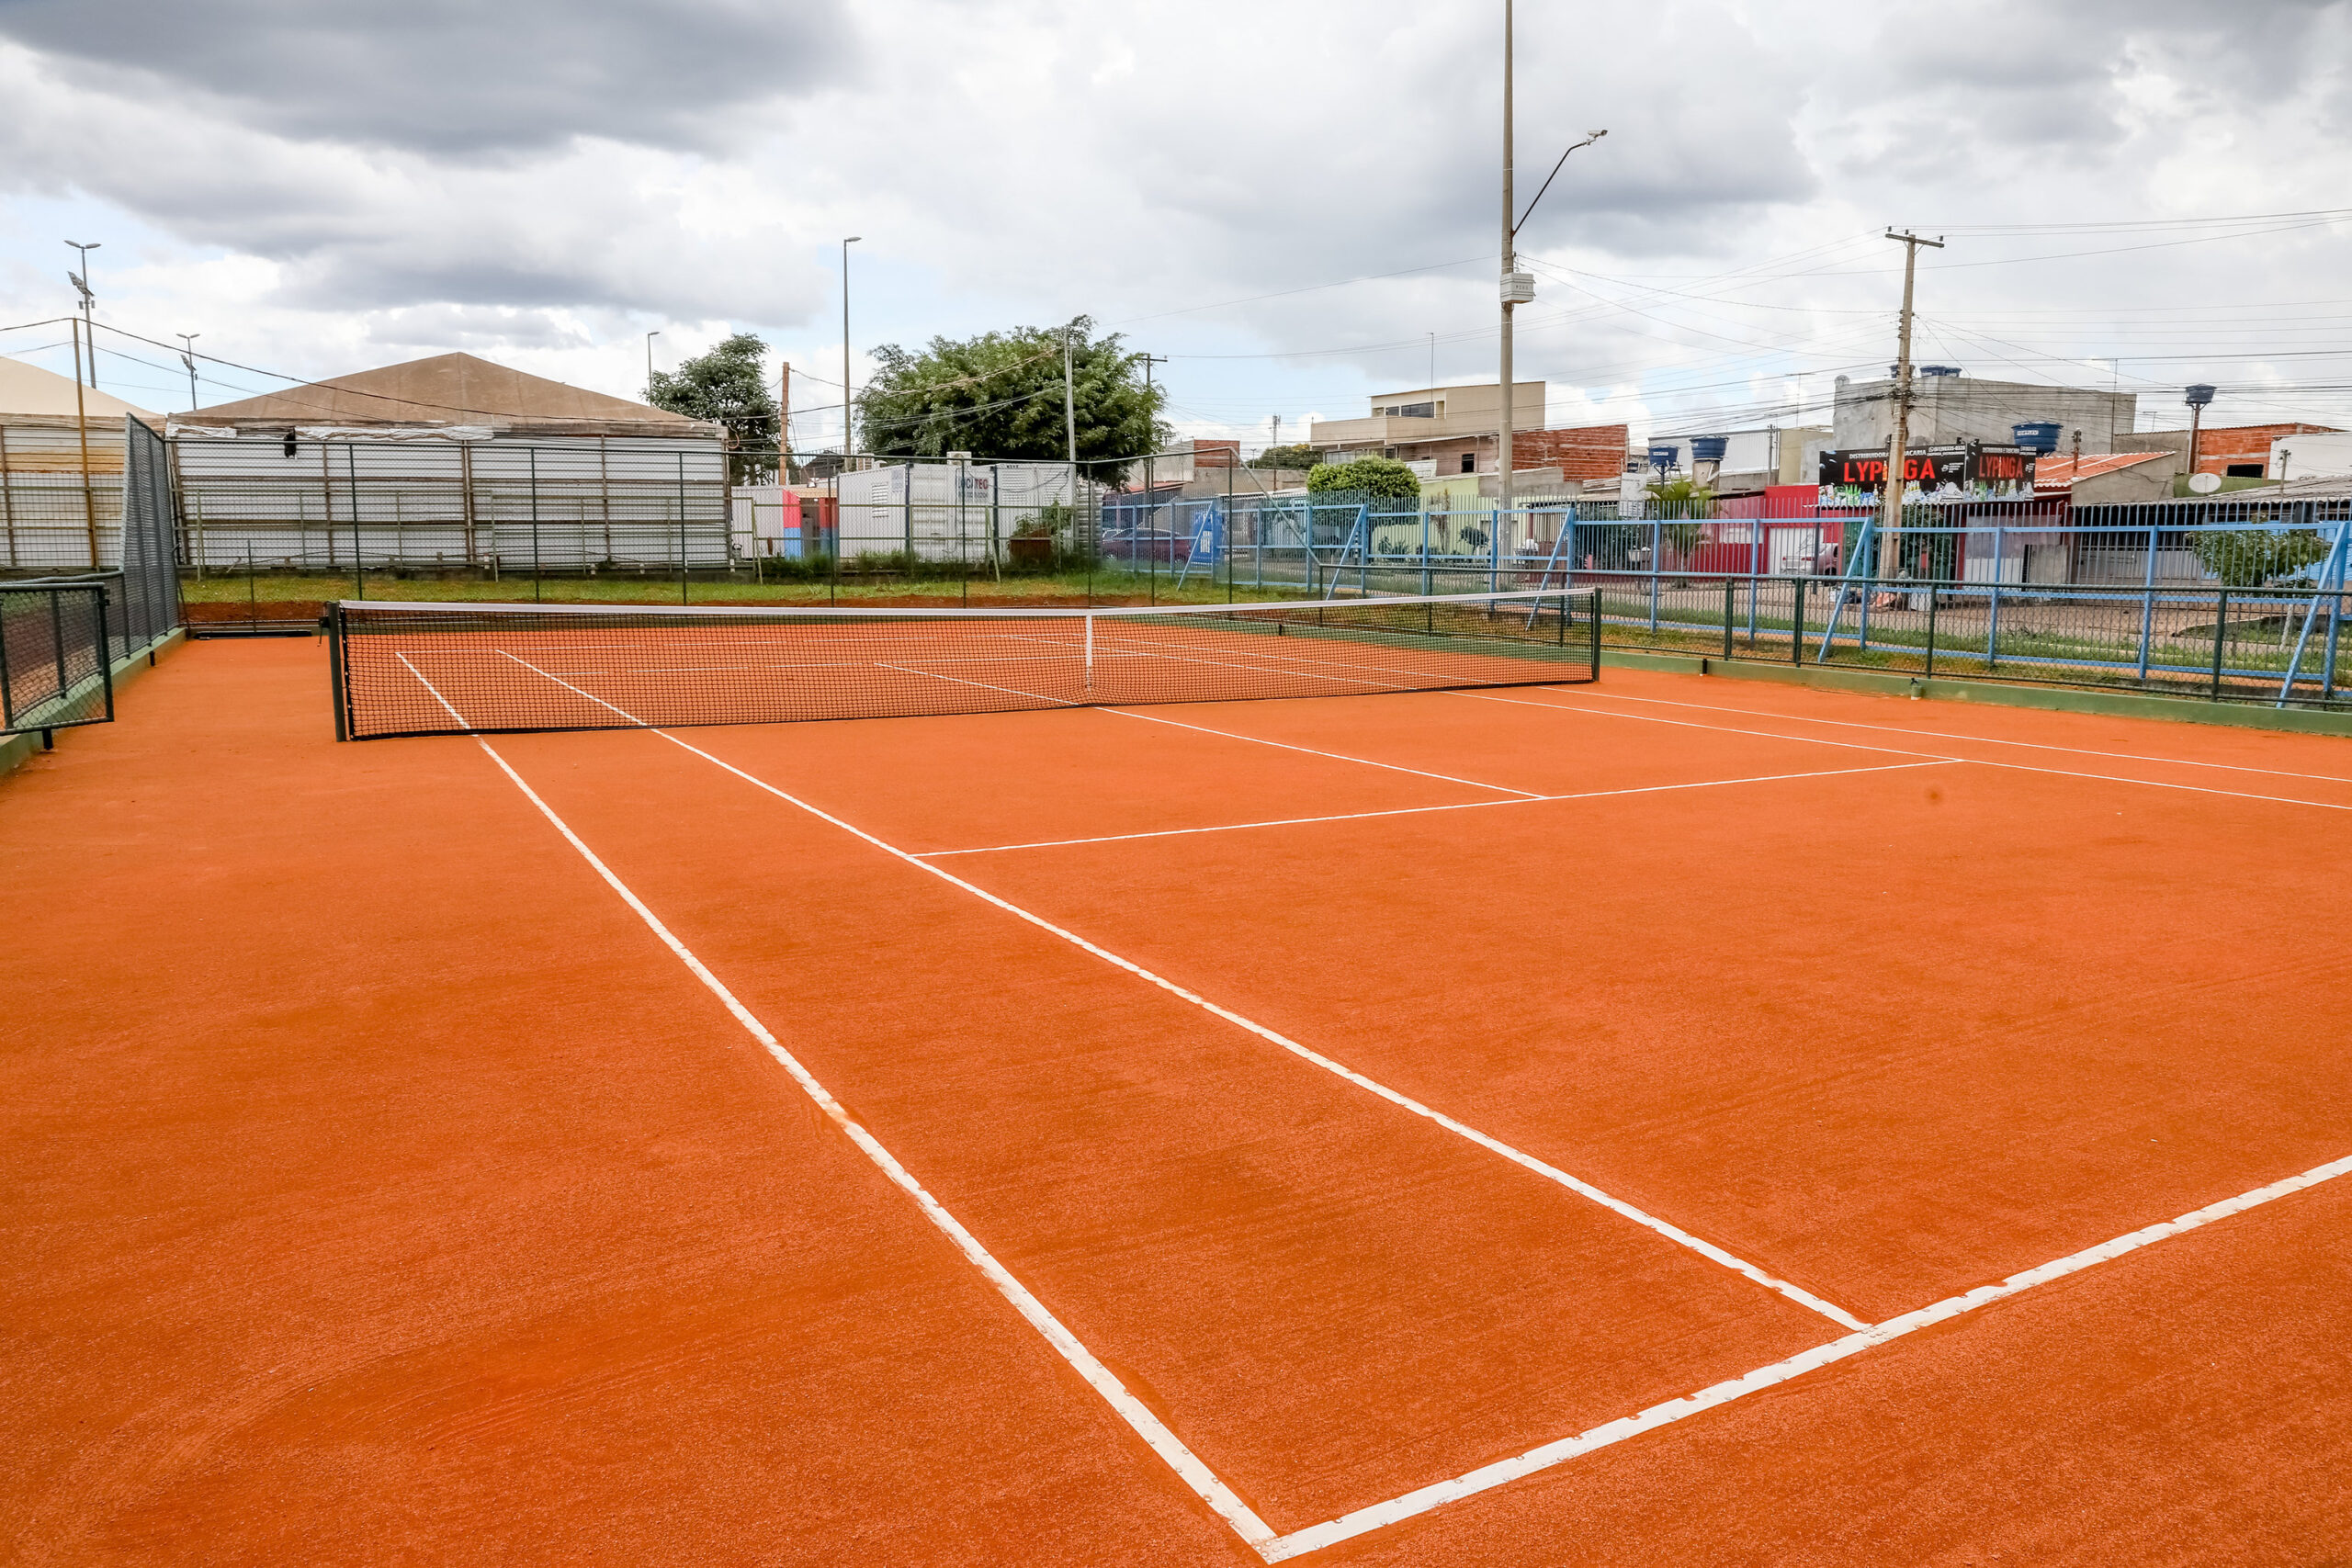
column 2243, row 471
column 1470, row 462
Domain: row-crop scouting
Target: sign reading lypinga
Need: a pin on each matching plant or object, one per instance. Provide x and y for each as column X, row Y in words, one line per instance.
column 1973, row 471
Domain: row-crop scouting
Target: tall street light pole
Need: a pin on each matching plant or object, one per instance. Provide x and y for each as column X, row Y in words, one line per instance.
column 1518, row 288
column 82, row 284
column 649, row 359
column 187, row 357
column 849, row 423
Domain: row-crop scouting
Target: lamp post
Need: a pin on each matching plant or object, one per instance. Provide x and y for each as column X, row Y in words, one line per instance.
column 81, row 281
column 187, row 357
column 1518, row 288
column 649, row 359
column 849, row 423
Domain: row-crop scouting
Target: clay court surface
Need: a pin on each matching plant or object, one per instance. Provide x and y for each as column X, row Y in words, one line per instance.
column 1184, row 1135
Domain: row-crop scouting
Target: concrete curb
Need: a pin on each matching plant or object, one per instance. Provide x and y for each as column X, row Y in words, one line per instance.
column 1991, row 693
column 17, row 749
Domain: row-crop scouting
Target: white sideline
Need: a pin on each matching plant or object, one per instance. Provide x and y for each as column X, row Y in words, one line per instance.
column 1316, row 1536
column 1976, row 739
column 1420, row 810
column 1549, row 1172
column 1855, row 746
column 1163, row 1442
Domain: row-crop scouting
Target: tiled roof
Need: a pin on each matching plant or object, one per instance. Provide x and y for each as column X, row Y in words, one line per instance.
column 2055, row 475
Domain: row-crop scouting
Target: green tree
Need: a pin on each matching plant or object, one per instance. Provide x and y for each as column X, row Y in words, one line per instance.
column 727, row 386
column 2248, row 558
column 999, row 396
column 1299, row 456
column 1381, row 478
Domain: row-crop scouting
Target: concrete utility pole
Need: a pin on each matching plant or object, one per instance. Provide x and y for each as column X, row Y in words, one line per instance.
column 187, row 357
column 784, row 424
column 1889, row 524
column 849, row 426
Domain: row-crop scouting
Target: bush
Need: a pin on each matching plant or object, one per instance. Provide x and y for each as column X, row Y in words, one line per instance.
column 2248, row 558
column 1378, row 478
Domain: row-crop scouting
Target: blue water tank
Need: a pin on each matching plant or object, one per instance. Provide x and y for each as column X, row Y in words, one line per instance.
column 1664, row 457
column 2198, row 396
column 1709, row 449
column 1940, row 370
column 2039, row 434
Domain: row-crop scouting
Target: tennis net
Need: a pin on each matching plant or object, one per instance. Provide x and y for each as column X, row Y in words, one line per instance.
column 437, row 668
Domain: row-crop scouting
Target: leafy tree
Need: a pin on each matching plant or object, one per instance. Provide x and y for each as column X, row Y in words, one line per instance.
column 1381, row 478
column 999, row 396
column 2248, row 558
column 727, row 386
column 1299, row 456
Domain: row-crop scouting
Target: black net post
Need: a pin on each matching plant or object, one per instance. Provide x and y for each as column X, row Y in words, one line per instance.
column 1796, row 620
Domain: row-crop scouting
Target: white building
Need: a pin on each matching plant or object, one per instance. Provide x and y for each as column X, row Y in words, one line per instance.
column 56, row 514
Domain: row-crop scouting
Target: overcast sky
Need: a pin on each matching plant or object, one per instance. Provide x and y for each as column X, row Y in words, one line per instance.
column 323, row 188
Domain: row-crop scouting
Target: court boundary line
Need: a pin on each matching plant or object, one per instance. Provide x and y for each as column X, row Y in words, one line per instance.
column 1172, row 1449
column 1664, row 1228
column 1975, row 740
column 1420, row 810
column 1971, row 762
column 1406, row 1505
column 1269, row 1545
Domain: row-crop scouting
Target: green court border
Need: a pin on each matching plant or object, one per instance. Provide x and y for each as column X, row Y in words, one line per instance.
column 17, row 749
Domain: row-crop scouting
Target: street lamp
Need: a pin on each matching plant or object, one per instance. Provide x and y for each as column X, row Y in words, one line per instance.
column 80, row 282
column 187, row 357
column 1518, row 288
column 649, row 359
column 849, row 426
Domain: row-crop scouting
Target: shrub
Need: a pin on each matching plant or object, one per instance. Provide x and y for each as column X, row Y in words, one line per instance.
column 1379, row 478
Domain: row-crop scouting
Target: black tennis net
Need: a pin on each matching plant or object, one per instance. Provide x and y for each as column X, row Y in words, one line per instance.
column 435, row 669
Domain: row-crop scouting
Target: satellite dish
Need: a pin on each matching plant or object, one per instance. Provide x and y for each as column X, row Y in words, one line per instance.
column 2204, row 484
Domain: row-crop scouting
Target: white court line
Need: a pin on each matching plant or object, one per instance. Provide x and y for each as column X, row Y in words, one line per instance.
column 958, row 680
column 1163, row 1442
column 1977, row 739
column 1549, row 1172
column 1852, row 746
column 1316, row 1536
column 1286, row 746
column 1422, row 810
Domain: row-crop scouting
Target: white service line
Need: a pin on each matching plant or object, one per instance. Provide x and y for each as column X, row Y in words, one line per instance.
column 1188, row 1465
column 1316, row 1536
column 1975, row 740
column 1852, row 746
column 1286, row 746
column 958, row 680
column 1421, row 810
column 1675, row 1234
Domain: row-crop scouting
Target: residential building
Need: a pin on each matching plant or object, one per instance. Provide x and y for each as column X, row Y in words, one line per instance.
column 2315, row 455
column 1452, row 428
column 1948, row 408
column 2229, row 451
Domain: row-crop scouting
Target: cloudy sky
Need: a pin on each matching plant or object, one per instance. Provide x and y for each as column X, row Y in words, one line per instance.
column 1296, row 201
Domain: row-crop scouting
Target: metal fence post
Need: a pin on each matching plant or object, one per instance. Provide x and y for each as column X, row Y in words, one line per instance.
column 2147, row 606
column 1796, row 621
column 2221, row 621
column 1934, row 599
column 359, row 558
column 682, row 528
column 533, row 453
column 1728, row 591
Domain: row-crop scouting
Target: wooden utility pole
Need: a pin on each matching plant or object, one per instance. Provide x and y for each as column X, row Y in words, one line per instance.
column 1890, row 526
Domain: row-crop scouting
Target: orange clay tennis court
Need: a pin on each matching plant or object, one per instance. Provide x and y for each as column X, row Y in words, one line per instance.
column 1668, row 1120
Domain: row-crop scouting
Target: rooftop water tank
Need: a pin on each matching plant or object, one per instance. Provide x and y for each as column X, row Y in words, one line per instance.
column 2038, row 435
column 1664, row 456
column 2199, row 395
column 1709, row 449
